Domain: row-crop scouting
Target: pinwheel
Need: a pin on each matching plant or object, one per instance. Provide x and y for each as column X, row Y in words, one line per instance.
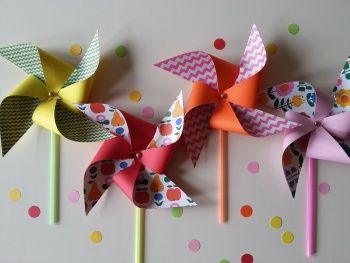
column 224, row 97
column 324, row 134
column 135, row 161
column 46, row 97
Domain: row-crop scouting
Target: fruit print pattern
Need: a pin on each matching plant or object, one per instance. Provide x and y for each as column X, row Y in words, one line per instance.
column 96, row 185
column 170, row 127
column 298, row 96
column 341, row 90
column 154, row 190
column 108, row 116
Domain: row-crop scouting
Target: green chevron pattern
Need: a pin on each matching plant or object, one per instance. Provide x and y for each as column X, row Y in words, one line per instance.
column 26, row 57
column 78, row 127
column 87, row 65
column 15, row 119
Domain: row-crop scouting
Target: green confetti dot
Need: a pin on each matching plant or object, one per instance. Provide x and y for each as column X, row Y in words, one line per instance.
column 121, row 51
column 224, row 261
column 177, row 212
column 293, row 29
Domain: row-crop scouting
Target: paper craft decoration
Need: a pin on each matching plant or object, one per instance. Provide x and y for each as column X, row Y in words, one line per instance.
column 47, row 97
column 224, row 97
column 324, row 134
column 135, row 161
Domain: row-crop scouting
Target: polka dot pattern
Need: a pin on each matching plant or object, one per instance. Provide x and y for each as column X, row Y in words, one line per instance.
column 293, row 29
column 324, row 188
column 219, row 43
column 247, row 258
column 96, row 237
column 15, row 195
column 121, row 51
column 224, row 261
column 276, row 222
column 287, row 237
column 246, row 211
column 34, row 211
column 148, row 112
column 177, row 212
column 253, row 167
column 135, row 96
column 271, row 48
column 194, row 245
column 74, row 196
column 75, row 50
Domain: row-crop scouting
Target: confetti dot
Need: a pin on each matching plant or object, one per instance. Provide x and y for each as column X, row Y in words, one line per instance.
column 194, row 245
column 224, row 261
column 96, row 237
column 177, row 212
column 219, row 44
column 253, row 167
column 246, row 211
column 276, row 222
column 148, row 112
column 324, row 188
column 15, row 195
column 74, row 196
column 34, row 211
column 287, row 237
column 247, row 258
column 135, row 96
column 271, row 48
column 293, row 29
column 75, row 50
column 121, row 51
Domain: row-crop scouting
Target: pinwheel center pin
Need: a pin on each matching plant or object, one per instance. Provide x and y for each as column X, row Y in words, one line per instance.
column 222, row 95
column 138, row 155
column 52, row 95
column 318, row 123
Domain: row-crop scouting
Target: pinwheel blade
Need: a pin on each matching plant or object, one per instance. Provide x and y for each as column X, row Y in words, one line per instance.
column 341, row 90
column 154, row 190
column 26, row 57
column 15, row 119
column 88, row 65
column 78, row 127
column 98, row 177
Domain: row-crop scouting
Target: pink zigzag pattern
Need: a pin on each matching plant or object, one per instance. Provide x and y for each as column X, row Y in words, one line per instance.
column 197, row 129
column 192, row 66
column 260, row 124
column 254, row 57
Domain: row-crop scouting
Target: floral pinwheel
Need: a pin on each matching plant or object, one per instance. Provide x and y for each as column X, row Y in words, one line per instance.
column 224, row 97
column 324, row 133
column 135, row 160
column 47, row 97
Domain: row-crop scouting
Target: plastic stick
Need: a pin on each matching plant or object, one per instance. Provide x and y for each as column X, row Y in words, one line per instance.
column 311, row 209
column 54, row 180
column 139, row 235
column 222, row 178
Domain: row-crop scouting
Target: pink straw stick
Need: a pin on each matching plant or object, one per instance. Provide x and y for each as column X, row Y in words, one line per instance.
column 311, row 208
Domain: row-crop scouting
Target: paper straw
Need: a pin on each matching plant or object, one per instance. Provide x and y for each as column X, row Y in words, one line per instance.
column 54, row 182
column 139, row 235
column 311, row 208
column 222, row 178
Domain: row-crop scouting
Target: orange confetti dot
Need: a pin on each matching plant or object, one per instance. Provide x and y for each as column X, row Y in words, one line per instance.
column 246, row 211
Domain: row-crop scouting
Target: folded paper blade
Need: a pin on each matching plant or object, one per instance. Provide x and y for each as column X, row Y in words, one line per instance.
column 341, row 90
column 153, row 190
column 26, row 57
column 98, row 177
column 15, row 119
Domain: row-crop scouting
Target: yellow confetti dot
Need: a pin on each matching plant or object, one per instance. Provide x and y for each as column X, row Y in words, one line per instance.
column 75, row 50
column 271, row 48
column 135, row 96
column 96, row 237
column 287, row 237
column 15, row 195
column 276, row 222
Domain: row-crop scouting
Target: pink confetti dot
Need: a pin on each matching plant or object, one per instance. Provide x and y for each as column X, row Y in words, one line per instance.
column 74, row 196
column 253, row 167
column 194, row 245
column 219, row 44
column 324, row 188
column 34, row 211
column 148, row 112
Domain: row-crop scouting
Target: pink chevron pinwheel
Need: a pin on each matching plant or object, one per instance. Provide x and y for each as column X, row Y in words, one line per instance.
column 224, row 97
column 324, row 133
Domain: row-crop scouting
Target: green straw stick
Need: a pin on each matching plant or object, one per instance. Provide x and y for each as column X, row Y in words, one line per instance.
column 54, row 183
column 139, row 235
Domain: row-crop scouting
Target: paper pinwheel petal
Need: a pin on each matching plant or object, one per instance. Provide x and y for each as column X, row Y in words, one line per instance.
column 154, row 190
column 297, row 96
column 58, row 86
column 15, row 119
column 260, row 124
column 341, row 90
column 254, row 57
column 140, row 151
column 26, row 57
